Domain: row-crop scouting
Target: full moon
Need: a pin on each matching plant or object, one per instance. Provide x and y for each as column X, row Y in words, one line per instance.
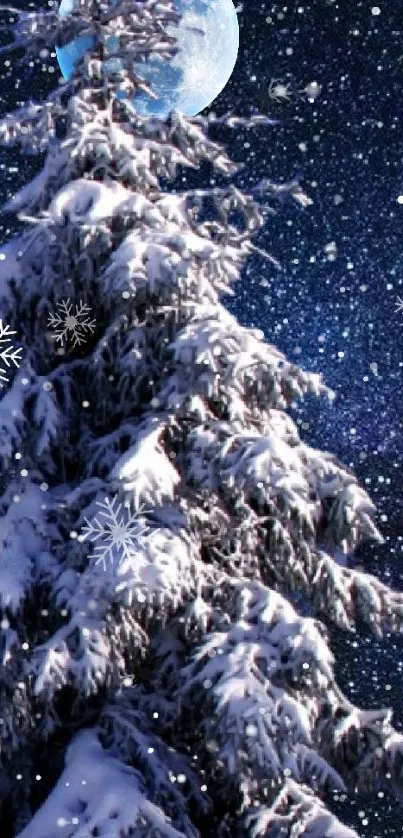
column 207, row 41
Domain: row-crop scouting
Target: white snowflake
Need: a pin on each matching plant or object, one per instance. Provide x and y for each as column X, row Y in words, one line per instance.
column 311, row 90
column 117, row 529
column 71, row 322
column 280, row 91
column 399, row 304
column 8, row 355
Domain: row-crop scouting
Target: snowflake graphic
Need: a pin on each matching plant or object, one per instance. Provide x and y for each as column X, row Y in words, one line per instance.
column 8, row 355
column 71, row 322
column 399, row 304
column 117, row 527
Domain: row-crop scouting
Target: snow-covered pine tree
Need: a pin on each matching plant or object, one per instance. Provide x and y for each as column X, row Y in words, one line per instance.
column 172, row 689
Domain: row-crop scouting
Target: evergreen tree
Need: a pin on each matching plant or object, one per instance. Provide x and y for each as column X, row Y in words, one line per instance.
column 159, row 511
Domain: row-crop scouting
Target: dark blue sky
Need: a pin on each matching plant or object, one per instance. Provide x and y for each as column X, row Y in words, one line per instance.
column 331, row 307
column 332, row 314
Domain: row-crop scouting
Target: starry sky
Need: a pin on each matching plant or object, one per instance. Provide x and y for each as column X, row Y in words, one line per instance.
column 332, row 306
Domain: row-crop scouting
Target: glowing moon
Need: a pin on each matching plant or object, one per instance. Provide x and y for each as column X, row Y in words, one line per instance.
column 208, row 41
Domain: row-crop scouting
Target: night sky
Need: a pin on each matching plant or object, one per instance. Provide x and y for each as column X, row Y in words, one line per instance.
column 332, row 305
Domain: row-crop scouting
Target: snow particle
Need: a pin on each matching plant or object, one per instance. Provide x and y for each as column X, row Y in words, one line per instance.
column 62, row 822
column 212, row 746
column 312, row 91
column 251, row 730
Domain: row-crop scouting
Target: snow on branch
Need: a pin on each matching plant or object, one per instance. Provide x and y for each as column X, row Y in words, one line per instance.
column 219, row 358
column 145, row 470
column 278, row 713
column 25, row 557
column 78, row 654
column 152, row 577
column 346, row 595
column 178, row 266
column 35, row 195
column 33, row 31
column 297, row 812
column 306, row 495
column 363, row 746
column 98, row 795
column 32, row 126
column 12, row 423
column 89, row 650
column 269, row 672
column 175, row 785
